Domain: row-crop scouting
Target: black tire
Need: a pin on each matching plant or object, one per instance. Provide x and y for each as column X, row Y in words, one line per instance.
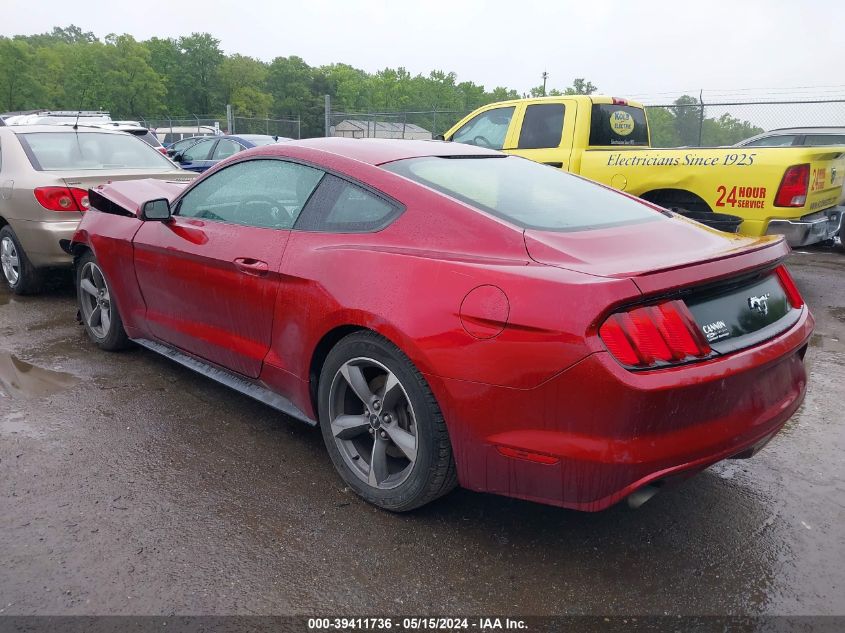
column 26, row 279
column 432, row 474
column 110, row 336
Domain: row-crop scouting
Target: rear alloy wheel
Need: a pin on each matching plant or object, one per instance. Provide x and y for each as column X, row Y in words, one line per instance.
column 382, row 426
column 98, row 312
column 19, row 273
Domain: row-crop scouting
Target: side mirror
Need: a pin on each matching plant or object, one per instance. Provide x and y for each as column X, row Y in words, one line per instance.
column 177, row 157
column 439, row 137
column 171, row 152
column 158, row 210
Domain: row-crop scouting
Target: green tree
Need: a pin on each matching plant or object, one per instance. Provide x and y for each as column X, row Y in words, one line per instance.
column 687, row 113
column 580, row 86
column 17, row 86
column 661, row 123
column 130, row 85
column 297, row 90
column 198, row 65
column 165, row 59
column 726, row 130
column 241, row 80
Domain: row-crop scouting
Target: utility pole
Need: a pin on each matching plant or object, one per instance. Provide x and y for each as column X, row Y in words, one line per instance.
column 545, row 76
column 328, row 115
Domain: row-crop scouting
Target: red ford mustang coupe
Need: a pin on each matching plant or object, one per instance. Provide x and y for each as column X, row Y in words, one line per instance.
column 449, row 314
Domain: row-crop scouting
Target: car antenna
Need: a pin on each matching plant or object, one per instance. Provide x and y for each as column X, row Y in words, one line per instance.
column 79, row 112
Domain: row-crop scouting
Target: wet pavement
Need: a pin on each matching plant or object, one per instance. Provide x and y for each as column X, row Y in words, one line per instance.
column 130, row 485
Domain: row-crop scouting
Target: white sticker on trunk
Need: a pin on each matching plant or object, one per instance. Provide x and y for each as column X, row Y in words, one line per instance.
column 716, row 331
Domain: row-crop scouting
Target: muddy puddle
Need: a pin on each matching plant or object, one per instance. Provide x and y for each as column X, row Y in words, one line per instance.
column 19, row 379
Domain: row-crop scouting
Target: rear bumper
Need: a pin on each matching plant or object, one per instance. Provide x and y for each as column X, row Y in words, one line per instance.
column 601, row 432
column 40, row 241
column 809, row 229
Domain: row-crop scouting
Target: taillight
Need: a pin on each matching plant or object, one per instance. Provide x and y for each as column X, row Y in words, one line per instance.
column 62, row 198
column 618, row 101
column 162, row 149
column 793, row 187
column 651, row 336
column 789, row 287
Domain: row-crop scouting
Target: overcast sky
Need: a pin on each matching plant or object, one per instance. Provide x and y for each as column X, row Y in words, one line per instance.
column 627, row 48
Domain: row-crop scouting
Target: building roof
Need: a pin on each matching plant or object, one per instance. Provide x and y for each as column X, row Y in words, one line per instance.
column 383, row 126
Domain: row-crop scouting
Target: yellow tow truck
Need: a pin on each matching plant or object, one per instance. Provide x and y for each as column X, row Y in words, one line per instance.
column 790, row 191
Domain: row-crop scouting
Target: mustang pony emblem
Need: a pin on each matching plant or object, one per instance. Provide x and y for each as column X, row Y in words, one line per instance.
column 761, row 303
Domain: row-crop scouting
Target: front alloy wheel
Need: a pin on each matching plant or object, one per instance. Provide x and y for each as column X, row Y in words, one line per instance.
column 97, row 310
column 94, row 300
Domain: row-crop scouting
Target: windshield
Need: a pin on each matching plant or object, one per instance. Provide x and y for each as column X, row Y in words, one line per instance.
column 526, row 193
column 258, row 141
column 58, row 151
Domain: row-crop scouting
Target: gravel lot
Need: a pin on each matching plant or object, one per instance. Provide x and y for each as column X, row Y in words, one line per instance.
column 130, row 485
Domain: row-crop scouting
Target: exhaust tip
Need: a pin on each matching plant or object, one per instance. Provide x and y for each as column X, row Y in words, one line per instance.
column 640, row 496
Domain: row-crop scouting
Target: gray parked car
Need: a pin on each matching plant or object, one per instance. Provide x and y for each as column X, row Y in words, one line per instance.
column 45, row 174
column 792, row 136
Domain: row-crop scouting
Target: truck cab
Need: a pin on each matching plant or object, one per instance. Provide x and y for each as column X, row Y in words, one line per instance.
column 790, row 191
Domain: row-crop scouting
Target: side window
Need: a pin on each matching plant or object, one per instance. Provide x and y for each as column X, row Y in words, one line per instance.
column 198, row 151
column 263, row 193
column 542, row 126
column 824, row 139
column 487, row 129
column 772, row 141
column 225, row 148
column 339, row 206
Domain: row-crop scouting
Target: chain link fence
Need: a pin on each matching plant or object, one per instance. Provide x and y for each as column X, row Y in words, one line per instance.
column 714, row 124
column 672, row 125
column 414, row 124
column 172, row 129
column 287, row 128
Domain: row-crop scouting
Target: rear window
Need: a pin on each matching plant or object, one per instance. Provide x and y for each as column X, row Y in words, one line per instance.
column 772, row 141
column 526, row 193
column 57, row 151
column 258, row 141
column 618, row 125
column 824, row 139
column 148, row 137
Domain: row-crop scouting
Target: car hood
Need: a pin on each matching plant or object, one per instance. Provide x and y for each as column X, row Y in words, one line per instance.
column 131, row 194
column 637, row 249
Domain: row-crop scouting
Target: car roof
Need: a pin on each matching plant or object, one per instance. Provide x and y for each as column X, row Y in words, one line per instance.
column 249, row 137
column 82, row 129
column 803, row 130
column 377, row 151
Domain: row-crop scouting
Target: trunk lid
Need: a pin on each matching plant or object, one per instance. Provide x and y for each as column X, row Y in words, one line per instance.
column 727, row 281
column 638, row 249
column 93, row 179
column 742, row 312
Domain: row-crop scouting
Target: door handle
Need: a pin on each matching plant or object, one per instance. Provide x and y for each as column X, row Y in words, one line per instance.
column 250, row 266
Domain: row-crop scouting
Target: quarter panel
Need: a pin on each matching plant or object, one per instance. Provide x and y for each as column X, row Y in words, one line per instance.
column 110, row 238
